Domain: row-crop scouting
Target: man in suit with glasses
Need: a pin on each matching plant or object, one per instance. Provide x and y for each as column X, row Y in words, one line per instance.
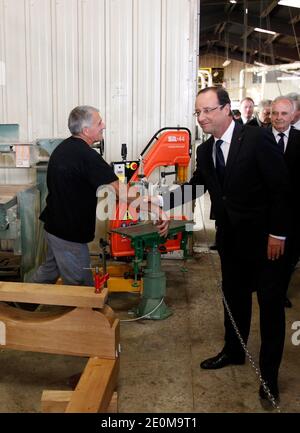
column 246, row 176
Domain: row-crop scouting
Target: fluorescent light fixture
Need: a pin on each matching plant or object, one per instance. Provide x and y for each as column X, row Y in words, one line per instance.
column 291, row 3
column 259, row 64
column 257, row 29
column 232, row 1
column 226, row 63
column 294, row 77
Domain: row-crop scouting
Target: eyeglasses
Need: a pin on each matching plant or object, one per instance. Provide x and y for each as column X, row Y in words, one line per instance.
column 207, row 110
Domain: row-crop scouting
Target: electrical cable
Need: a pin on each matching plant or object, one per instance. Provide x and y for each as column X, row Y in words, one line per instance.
column 145, row 315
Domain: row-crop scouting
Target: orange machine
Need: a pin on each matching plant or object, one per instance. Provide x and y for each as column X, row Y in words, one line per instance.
column 168, row 147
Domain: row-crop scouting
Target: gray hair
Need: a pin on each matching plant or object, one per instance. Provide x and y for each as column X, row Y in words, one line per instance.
column 295, row 97
column 264, row 103
column 284, row 98
column 81, row 117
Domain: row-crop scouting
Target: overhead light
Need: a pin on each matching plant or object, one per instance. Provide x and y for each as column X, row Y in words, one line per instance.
column 291, row 3
column 232, row 1
column 294, row 77
column 226, row 63
column 257, row 29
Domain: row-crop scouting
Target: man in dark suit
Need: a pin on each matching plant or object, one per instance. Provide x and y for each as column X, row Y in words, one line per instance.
column 245, row 174
column 263, row 113
column 288, row 140
column 247, row 110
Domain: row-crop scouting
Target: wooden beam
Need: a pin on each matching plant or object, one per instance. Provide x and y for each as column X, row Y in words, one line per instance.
column 57, row 401
column 73, row 331
column 95, row 387
column 52, row 294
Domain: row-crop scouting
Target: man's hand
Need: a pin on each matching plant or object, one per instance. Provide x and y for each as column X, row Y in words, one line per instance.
column 151, row 204
column 163, row 227
column 275, row 248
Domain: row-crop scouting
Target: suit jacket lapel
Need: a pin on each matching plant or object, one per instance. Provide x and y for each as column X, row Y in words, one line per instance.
column 234, row 149
column 210, row 162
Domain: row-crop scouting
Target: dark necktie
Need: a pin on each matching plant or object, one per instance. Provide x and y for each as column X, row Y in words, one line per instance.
column 281, row 142
column 220, row 162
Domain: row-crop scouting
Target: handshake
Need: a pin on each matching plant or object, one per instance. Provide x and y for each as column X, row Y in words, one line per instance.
column 153, row 206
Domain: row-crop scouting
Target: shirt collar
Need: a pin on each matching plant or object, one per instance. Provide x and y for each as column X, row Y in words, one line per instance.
column 286, row 133
column 245, row 120
column 227, row 136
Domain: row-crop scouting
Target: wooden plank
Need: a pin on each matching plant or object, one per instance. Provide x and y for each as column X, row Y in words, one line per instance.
column 12, row 190
column 57, row 401
column 52, row 294
column 95, row 387
column 73, row 331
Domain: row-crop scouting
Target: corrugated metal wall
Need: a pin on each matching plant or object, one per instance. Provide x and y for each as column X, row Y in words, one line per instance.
column 134, row 59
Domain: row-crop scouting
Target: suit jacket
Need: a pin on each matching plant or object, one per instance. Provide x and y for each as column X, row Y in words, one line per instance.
column 251, row 122
column 255, row 194
column 292, row 158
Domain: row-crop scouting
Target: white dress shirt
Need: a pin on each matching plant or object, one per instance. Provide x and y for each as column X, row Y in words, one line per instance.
column 285, row 138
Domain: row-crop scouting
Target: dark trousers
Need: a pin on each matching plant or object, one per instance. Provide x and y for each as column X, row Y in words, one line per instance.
column 293, row 254
column 244, row 270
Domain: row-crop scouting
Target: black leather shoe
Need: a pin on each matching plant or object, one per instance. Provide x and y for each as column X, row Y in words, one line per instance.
column 264, row 396
column 287, row 303
column 220, row 361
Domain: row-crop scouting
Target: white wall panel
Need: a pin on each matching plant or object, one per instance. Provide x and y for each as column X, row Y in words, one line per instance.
column 147, row 72
column 15, row 60
column 2, row 64
column 91, row 29
column 176, row 62
column 65, row 52
column 39, row 67
column 119, row 71
column 134, row 59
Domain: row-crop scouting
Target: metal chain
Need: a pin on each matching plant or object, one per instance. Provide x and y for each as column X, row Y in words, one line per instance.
column 244, row 346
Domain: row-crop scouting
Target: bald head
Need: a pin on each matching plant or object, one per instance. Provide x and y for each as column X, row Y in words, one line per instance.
column 282, row 113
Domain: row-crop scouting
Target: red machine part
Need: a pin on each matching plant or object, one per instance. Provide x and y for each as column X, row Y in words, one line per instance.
column 99, row 281
column 171, row 148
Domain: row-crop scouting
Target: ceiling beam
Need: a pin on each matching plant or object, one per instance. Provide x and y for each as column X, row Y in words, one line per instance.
column 267, row 10
column 219, row 51
column 274, row 24
column 222, row 53
column 210, row 20
column 278, row 50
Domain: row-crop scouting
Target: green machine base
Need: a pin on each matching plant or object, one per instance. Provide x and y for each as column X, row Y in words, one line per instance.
column 143, row 237
column 154, row 309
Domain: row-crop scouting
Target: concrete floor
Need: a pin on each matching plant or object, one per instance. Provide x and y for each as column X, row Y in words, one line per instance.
column 160, row 359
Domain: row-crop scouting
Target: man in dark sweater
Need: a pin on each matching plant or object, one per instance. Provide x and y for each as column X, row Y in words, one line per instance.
column 75, row 172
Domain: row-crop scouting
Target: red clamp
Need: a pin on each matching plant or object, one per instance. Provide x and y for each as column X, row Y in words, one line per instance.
column 99, row 281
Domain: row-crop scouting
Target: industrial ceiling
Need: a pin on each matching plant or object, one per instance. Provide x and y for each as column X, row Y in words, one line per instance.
column 227, row 31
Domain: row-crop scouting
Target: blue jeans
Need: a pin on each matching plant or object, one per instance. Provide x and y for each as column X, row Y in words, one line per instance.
column 67, row 260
